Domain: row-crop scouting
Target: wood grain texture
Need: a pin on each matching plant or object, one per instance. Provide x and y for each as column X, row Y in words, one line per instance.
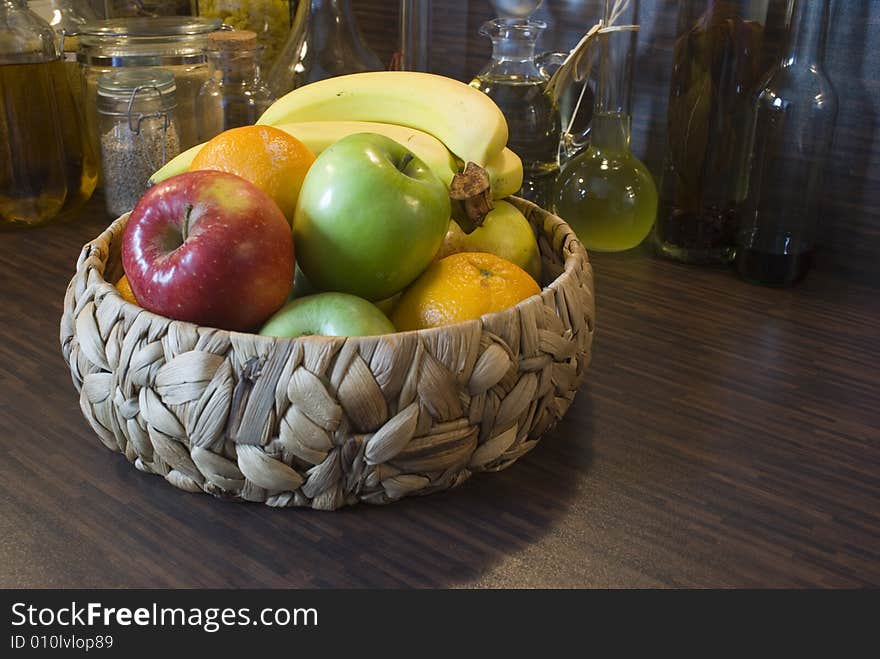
column 728, row 435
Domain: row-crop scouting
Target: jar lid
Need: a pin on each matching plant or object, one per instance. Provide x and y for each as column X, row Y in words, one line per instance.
column 160, row 26
column 233, row 40
column 152, row 84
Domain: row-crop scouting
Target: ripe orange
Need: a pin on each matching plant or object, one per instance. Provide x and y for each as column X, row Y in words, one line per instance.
column 125, row 291
column 460, row 287
column 271, row 159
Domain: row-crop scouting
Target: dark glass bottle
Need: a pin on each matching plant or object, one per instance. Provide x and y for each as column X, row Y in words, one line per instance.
column 719, row 59
column 791, row 131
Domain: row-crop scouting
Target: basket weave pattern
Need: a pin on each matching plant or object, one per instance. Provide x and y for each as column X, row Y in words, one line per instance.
column 327, row 421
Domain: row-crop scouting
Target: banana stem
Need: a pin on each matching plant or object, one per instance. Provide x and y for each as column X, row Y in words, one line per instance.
column 471, row 197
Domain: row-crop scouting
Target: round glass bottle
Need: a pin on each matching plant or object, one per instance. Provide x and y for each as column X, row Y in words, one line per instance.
column 324, row 42
column 790, row 136
column 67, row 18
column 46, row 167
column 605, row 193
column 515, row 82
column 139, row 133
column 236, row 94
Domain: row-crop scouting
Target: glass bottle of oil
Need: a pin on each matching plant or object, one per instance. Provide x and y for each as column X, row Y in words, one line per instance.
column 605, row 193
column 516, row 83
column 789, row 138
column 45, row 166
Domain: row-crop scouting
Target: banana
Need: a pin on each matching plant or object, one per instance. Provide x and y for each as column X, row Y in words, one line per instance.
column 505, row 169
column 465, row 119
column 177, row 165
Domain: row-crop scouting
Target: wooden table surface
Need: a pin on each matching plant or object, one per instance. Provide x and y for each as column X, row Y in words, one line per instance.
column 727, row 436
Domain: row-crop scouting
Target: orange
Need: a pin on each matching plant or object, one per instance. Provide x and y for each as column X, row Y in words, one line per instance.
column 460, row 287
column 125, row 291
column 271, row 159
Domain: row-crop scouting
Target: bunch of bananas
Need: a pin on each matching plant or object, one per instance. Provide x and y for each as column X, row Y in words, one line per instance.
column 455, row 129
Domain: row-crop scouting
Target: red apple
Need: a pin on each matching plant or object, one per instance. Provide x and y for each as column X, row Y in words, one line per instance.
column 211, row 248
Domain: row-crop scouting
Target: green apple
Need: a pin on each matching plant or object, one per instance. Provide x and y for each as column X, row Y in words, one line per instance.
column 328, row 314
column 505, row 232
column 370, row 217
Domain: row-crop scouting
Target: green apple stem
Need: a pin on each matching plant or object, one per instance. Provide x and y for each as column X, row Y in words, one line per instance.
column 405, row 161
column 471, row 197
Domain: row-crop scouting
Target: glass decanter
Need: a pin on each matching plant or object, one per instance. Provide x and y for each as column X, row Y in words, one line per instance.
column 516, row 83
column 46, row 167
column 790, row 137
column 605, row 193
column 324, row 42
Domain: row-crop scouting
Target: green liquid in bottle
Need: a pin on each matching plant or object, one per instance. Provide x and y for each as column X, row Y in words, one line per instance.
column 605, row 193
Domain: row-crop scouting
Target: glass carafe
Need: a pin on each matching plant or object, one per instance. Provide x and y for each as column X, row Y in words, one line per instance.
column 516, row 83
column 790, row 136
column 46, row 167
column 324, row 42
column 605, row 193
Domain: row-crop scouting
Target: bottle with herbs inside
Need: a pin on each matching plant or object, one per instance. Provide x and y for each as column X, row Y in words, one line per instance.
column 791, row 131
column 718, row 61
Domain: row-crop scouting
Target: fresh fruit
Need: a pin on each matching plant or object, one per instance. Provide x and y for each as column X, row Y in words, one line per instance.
column 466, row 120
column 370, row 217
column 505, row 169
column 328, row 314
column 273, row 160
column 386, row 306
column 210, row 248
column 177, row 165
column 462, row 287
column 505, row 232
column 124, row 289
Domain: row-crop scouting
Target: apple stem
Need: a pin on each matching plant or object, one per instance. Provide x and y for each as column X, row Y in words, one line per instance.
column 186, row 215
column 407, row 158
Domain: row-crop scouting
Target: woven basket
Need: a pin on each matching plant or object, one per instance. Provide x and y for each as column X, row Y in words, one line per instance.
column 327, row 421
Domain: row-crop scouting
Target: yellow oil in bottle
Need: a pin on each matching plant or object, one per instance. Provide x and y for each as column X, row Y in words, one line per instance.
column 46, row 165
column 605, row 193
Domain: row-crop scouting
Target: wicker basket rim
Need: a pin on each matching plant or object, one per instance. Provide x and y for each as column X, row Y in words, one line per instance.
column 569, row 267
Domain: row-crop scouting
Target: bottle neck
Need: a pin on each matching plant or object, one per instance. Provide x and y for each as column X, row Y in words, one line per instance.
column 611, row 113
column 236, row 66
column 513, row 50
column 809, row 19
column 513, row 47
column 333, row 15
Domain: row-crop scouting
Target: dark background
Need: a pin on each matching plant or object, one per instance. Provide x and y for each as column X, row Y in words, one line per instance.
column 850, row 201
